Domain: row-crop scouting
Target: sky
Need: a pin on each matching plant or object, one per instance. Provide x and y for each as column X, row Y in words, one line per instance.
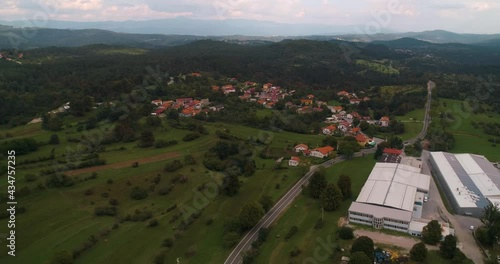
column 464, row 16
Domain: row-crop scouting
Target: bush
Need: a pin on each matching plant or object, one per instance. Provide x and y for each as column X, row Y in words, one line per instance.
column 295, row 252
column 165, row 190
column 54, row 139
column 293, row 230
column 190, row 136
column 113, row 202
column 319, row 224
column 163, row 143
column 418, row 252
column 167, row 242
column 109, row 181
column 105, row 211
column 152, row 223
column 30, row 177
column 230, row 239
column 209, row 221
column 346, row 233
column 173, row 166
column 138, row 193
column 135, row 164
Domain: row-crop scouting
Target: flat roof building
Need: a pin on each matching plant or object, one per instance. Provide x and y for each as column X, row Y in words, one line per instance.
column 469, row 181
column 391, row 197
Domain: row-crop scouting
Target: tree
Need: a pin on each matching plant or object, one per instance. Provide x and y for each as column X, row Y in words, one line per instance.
column 344, row 184
column 431, row 233
column 380, row 149
column 348, row 148
column 153, row 121
column 230, row 185
column 331, row 197
column 138, row 193
column 418, row 252
column 249, row 169
column 80, row 104
column 267, row 202
column 62, row 257
column 448, row 247
column 250, row 214
column 346, row 233
column 364, row 125
column 147, row 139
column 54, row 139
column 491, row 222
column 395, row 142
column 51, row 122
column 317, row 184
column 363, row 244
column 330, row 141
column 359, row 258
column 230, row 239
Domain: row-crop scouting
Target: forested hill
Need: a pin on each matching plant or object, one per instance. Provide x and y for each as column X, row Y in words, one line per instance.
column 43, row 79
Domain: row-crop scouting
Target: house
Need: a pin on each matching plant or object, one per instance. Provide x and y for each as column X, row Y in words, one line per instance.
column 184, row 100
column 294, row 161
column 204, row 102
column 321, row 152
column 269, row 105
column 329, row 129
column 267, row 86
column 336, row 109
column 384, row 121
column 304, row 110
column 306, row 101
column 392, row 151
column 355, row 130
column 196, row 74
column 215, row 88
column 344, row 126
column 157, row 102
column 187, row 112
column 300, row 148
column 355, row 101
column 310, row 96
column 343, row 93
column 216, row 108
column 228, row 88
column 249, row 83
column 362, row 139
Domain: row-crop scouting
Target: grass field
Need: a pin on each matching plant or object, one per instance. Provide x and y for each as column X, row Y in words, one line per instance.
column 468, row 138
column 413, row 123
column 305, row 211
column 63, row 218
column 378, row 67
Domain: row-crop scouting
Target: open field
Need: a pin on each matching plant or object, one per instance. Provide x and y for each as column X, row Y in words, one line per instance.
column 468, row 138
column 413, row 123
column 304, row 213
column 65, row 217
column 377, row 66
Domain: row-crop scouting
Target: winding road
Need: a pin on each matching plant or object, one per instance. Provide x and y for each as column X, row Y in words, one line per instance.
column 287, row 199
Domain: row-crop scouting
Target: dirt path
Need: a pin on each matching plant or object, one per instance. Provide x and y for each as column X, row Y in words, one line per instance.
column 123, row 164
column 399, row 241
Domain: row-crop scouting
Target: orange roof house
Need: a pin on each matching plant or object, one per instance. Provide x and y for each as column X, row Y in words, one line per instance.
column 215, row 87
column 300, row 148
column 355, row 130
column 342, row 93
column 393, row 151
column 306, row 101
column 321, row 152
column 196, row 74
column 362, row 139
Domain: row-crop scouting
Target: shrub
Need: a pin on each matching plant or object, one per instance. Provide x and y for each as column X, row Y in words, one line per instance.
column 165, row 190
column 109, row 181
column 190, row 136
column 163, row 143
column 230, row 239
column 167, row 242
column 105, row 211
column 209, row 221
column 135, row 164
column 30, row 177
column 173, row 166
column 346, row 233
column 293, row 230
column 138, row 193
column 113, row 202
column 319, row 224
column 152, row 223
column 295, row 252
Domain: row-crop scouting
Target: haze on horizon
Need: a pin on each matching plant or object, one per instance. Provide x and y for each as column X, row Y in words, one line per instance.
column 462, row 16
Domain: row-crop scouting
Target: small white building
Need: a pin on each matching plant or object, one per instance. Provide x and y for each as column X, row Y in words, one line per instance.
column 321, row 152
column 294, row 162
column 300, row 148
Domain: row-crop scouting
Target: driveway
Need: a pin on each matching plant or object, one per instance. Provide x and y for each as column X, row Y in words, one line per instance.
column 460, row 223
column 399, row 241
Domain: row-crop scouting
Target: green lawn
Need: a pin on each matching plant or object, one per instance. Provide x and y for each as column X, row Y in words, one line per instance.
column 63, row 219
column 304, row 212
column 413, row 123
column 467, row 138
column 377, row 66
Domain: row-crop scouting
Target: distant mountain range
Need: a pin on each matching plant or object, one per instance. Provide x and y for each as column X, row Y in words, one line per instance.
column 173, row 32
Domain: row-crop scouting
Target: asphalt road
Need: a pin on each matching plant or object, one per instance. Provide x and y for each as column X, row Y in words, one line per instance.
column 287, row 199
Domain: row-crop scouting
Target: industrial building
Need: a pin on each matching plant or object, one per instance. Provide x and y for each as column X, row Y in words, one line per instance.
column 470, row 182
column 392, row 197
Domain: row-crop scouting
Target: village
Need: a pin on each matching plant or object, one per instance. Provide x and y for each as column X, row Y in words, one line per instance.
column 340, row 123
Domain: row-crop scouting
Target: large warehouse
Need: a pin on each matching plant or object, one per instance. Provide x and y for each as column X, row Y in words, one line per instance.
column 391, row 197
column 469, row 181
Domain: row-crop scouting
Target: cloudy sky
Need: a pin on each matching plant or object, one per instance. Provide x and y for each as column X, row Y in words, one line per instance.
column 481, row 16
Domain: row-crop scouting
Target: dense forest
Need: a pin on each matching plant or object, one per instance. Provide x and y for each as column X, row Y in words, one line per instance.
column 44, row 79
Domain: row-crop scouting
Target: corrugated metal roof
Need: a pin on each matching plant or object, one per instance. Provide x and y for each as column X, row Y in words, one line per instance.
column 394, row 185
column 380, row 211
column 471, row 178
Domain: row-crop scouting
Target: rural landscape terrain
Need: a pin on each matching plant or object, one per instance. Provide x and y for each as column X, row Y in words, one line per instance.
column 191, row 149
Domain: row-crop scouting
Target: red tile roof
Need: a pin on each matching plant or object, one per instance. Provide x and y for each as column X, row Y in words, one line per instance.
column 384, row 118
column 325, row 150
column 393, row 151
column 301, row 145
column 361, row 138
column 297, row 159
